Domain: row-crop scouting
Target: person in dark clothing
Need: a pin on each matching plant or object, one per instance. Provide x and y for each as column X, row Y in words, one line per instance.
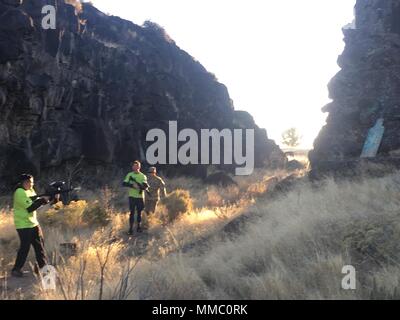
column 27, row 225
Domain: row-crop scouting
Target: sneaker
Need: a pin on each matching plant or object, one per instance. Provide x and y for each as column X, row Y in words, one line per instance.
column 130, row 233
column 139, row 229
column 17, row 273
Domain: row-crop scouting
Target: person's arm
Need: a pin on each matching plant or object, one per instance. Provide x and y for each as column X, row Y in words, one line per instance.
column 23, row 201
column 126, row 183
column 144, row 186
column 37, row 204
column 163, row 189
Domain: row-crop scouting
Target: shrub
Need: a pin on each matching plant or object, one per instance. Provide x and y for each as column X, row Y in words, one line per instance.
column 96, row 214
column 219, row 197
column 8, row 237
column 214, row 198
column 178, row 203
column 66, row 215
column 76, row 214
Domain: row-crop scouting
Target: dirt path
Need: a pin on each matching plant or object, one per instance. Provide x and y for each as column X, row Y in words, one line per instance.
column 17, row 288
column 13, row 288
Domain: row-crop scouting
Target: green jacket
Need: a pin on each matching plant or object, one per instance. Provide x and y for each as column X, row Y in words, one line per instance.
column 138, row 177
column 22, row 218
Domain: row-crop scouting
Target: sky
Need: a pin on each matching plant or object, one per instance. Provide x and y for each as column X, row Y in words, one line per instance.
column 275, row 57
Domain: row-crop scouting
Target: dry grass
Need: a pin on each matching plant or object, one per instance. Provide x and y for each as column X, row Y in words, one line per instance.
column 177, row 203
column 294, row 247
column 8, row 235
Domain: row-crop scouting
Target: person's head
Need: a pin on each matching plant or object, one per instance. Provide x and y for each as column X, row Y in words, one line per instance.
column 26, row 181
column 136, row 166
column 153, row 171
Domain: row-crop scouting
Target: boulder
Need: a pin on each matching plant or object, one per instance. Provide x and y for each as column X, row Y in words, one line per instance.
column 220, row 179
column 294, row 165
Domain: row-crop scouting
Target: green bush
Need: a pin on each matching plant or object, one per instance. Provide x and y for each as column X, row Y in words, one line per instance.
column 96, row 214
column 69, row 216
column 77, row 214
column 178, row 203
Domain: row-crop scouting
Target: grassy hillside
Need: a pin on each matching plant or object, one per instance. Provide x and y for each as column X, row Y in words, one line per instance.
column 236, row 243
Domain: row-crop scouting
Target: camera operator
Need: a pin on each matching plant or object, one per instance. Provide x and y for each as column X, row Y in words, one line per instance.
column 27, row 225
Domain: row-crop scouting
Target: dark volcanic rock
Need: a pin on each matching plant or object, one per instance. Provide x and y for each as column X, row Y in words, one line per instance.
column 220, row 179
column 95, row 86
column 367, row 88
column 294, row 165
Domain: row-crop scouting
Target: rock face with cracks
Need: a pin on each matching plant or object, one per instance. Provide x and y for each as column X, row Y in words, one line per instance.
column 92, row 88
column 367, row 88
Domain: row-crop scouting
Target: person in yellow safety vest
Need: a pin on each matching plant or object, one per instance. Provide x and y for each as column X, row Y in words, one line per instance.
column 27, row 225
column 136, row 181
column 157, row 184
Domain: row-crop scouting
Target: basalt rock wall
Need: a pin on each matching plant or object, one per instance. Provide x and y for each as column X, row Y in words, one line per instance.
column 89, row 91
column 366, row 88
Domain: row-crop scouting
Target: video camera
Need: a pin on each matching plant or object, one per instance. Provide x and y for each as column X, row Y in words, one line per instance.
column 59, row 188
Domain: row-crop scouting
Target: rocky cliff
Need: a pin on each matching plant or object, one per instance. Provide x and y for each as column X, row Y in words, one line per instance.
column 367, row 88
column 93, row 87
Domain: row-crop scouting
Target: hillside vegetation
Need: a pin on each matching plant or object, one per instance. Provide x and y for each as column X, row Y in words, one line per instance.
column 237, row 242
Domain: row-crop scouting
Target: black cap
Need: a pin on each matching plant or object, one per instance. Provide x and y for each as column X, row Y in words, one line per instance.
column 25, row 176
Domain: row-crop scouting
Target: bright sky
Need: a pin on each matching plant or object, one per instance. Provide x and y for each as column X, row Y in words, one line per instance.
column 275, row 57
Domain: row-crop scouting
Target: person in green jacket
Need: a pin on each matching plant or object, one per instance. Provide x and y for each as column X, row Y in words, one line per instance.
column 136, row 181
column 27, row 225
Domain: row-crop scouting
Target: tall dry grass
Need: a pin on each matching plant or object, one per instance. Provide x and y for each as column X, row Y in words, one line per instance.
column 292, row 247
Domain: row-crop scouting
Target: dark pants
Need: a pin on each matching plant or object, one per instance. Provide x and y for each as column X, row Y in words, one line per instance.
column 138, row 204
column 28, row 237
column 151, row 205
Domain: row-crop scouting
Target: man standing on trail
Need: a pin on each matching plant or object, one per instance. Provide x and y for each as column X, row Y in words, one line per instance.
column 27, row 225
column 156, row 184
column 136, row 181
